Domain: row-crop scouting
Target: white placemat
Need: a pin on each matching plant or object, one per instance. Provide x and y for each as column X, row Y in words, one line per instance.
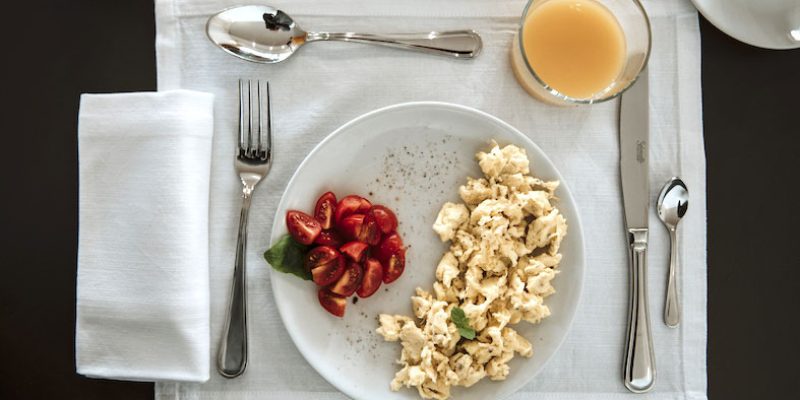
column 327, row 84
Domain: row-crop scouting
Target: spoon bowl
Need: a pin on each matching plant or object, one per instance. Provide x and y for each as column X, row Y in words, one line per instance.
column 673, row 202
column 259, row 34
column 264, row 34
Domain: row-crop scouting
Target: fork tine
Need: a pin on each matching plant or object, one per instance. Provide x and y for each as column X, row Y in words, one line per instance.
column 264, row 143
column 268, row 147
column 258, row 112
column 250, row 119
column 241, row 118
column 256, row 119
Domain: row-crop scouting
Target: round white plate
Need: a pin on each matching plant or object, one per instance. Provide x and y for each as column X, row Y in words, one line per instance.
column 411, row 157
column 771, row 24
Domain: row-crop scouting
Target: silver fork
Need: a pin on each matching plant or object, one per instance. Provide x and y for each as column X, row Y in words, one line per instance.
column 253, row 159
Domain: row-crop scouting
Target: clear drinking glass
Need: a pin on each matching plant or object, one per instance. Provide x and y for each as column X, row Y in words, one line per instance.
column 635, row 26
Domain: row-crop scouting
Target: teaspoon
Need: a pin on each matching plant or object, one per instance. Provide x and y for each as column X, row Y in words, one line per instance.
column 672, row 205
column 264, row 34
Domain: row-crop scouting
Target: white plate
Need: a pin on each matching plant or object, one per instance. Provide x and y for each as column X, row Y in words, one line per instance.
column 772, row 24
column 411, row 157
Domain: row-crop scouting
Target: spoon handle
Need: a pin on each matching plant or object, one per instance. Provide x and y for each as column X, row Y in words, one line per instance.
column 672, row 311
column 457, row 44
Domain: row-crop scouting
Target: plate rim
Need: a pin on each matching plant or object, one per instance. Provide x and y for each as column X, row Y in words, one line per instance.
column 704, row 7
column 447, row 106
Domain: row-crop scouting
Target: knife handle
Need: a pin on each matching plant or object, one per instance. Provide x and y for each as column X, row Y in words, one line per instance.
column 639, row 364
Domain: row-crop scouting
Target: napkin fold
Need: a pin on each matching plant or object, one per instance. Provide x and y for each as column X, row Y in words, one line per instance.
column 143, row 285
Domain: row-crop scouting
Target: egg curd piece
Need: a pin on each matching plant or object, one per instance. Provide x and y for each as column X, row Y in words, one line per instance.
column 504, row 254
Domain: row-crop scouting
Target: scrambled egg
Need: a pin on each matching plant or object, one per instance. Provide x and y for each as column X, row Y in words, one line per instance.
column 504, row 242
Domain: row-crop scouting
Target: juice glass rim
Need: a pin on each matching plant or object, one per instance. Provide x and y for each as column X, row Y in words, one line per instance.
column 574, row 100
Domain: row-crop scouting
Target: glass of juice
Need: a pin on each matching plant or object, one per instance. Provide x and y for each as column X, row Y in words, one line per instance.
column 580, row 51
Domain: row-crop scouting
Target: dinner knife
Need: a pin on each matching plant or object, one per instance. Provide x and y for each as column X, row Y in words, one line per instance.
column 639, row 363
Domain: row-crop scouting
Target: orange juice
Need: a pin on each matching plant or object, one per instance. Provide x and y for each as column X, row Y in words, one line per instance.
column 576, row 47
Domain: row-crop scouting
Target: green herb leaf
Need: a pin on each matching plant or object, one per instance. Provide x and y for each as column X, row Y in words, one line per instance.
column 287, row 256
column 462, row 322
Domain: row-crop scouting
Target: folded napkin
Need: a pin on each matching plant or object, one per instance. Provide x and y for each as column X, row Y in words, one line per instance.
column 142, row 297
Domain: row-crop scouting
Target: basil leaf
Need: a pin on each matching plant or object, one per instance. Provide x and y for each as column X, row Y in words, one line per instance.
column 462, row 323
column 288, row 256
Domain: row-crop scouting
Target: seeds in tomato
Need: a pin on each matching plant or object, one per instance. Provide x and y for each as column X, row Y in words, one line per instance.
column 303, row 228
column 325, row 274
column 324, row 210
column 370, row 231
column 331, row 302
column 329, row 238
column 394, row 266
column 350, row 280
column 373, row 276
column 320, row 255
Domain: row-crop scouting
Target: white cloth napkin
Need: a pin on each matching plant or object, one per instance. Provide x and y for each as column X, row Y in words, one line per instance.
column 143, row 300
column 328, row 84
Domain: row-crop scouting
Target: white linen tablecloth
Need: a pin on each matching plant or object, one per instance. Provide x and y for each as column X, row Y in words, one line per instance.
column 327, row 84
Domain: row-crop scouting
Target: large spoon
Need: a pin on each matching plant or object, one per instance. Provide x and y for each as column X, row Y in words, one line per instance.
column 264, row 34
column 672, row 205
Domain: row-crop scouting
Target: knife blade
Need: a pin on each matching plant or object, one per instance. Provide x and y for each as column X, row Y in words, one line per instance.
column 639, row 370
column 634, row 135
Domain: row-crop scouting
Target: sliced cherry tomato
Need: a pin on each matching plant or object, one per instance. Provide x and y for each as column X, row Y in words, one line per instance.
column 355, row 250
column 346, row 206
column 326, row 265
column 370, row 232
column 350, row 280
column 320, row 255
column 390, row 244
column 329, row 238
column 386, row 219
column 331, row 302
column 324, row 210
column 325, row 274
column 365, row 205
column 394, row 266
column 350, row 205
column 303, row 228
column 373, row 276
column 351, row 225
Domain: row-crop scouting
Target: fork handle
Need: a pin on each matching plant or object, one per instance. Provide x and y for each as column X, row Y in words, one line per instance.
column 233, row 350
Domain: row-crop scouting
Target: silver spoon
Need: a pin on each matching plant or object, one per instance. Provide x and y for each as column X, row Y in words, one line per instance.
column 264, row 34
column 672, row 205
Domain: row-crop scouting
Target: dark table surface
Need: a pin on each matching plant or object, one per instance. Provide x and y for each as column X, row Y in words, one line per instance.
column 56, row 50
